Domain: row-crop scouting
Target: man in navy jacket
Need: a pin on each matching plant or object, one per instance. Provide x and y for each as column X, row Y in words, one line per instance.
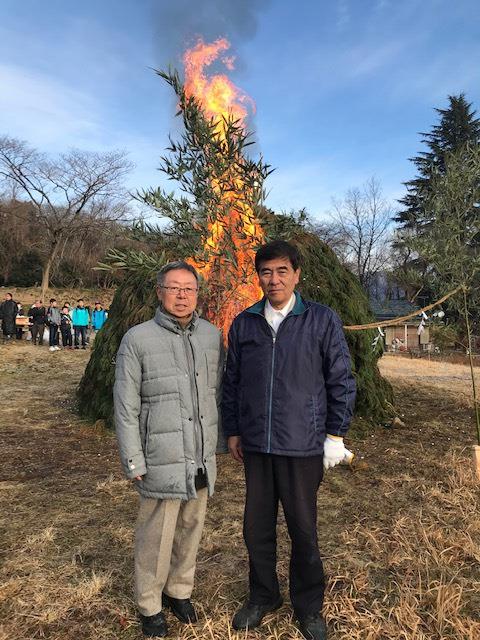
column 288, row 397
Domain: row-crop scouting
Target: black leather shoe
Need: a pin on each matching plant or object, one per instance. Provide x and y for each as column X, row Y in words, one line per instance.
column 251, row 615
column 313, row 627
column 154, row 626
column 182, row 609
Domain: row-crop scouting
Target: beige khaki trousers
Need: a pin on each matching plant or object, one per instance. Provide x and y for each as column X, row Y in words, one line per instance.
column 167, row 536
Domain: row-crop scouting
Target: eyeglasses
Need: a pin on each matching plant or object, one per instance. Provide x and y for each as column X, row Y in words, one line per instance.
column 174, row 291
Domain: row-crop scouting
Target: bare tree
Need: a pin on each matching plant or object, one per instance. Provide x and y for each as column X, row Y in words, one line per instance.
column 330, row 233
column 76, row 189
column 360, row 231
column 16, row 233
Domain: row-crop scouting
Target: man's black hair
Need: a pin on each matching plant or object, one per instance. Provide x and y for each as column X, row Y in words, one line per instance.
column 172, row 266
column 52, row 300
column 80, row 300
column 277, row 249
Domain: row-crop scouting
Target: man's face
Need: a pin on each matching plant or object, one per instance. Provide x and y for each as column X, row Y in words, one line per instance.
column 54, row 303
column 80, row 304
column 278, row 280
column 98, row 306
column 180, row 304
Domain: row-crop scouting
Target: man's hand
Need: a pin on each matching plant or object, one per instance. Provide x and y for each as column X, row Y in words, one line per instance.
column 333, row 451
column 138, row 477
column 235, row 448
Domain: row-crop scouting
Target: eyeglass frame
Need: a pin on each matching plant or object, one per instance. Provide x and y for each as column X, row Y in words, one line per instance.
column 189, row 291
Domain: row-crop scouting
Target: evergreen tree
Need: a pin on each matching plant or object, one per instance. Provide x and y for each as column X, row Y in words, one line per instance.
column 458, row 126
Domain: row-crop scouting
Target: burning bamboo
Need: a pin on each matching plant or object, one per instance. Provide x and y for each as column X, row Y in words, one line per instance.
column 233, row 230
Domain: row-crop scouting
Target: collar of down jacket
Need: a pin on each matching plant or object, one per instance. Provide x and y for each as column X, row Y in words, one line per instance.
column 169, row 322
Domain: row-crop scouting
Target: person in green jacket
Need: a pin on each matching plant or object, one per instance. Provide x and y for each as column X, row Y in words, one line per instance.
column 80, row 321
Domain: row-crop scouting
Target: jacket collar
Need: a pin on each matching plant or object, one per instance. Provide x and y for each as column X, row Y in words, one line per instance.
column 169, row 322
column 298, row 308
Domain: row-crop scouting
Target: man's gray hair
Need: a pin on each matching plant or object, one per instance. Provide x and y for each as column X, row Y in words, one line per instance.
column 172, row 266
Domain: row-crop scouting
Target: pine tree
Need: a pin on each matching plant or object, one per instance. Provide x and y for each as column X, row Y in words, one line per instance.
column 458, row 126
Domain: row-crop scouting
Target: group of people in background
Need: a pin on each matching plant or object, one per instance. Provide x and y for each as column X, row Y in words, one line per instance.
column 72, row 324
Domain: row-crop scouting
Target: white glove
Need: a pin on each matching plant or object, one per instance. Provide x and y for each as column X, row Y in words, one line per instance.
column 334, row 452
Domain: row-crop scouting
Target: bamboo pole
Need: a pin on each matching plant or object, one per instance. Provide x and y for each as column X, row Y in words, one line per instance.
column 470, row 358
column 394, row 321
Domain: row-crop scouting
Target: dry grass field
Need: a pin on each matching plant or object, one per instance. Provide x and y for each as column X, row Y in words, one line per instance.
column 400, row 531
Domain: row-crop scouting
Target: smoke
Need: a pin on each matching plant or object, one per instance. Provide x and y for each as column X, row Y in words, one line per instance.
column 179, row 23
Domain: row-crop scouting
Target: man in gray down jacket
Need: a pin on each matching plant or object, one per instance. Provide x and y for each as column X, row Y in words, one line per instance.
column 166, row 394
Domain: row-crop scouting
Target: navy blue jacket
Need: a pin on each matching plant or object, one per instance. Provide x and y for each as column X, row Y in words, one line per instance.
column 282, row 394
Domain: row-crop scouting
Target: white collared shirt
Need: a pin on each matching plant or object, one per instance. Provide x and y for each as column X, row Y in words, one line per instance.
column 275, row 317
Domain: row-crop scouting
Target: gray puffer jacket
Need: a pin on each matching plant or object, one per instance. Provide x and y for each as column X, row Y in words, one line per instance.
column 154, row 407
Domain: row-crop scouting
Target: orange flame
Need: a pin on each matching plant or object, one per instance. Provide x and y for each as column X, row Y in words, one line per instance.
column 221, row 100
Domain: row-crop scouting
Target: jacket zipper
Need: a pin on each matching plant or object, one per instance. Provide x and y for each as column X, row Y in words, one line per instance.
column 269, row 437
column 194, row 389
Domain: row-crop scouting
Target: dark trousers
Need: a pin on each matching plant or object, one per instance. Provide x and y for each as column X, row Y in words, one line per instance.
column 37, row 332
column 294, row 482
column 66, row 336
column 80, row 331
column 53, row 335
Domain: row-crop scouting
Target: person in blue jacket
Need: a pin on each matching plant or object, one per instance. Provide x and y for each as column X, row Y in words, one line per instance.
column 288, row 398
column 99, row 317
column 80, row 322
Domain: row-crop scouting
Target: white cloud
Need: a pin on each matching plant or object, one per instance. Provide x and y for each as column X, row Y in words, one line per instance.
column 443, row 75
column 44, row 111
column 343, row 14
column 312, row 184
column 54, row 117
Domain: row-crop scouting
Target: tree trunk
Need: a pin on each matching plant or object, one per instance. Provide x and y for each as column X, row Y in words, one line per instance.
column 46, row 270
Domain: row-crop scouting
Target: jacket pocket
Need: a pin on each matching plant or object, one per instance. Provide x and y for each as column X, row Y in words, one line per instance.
column 144, row 415
column 318, row 413
column 211, row 369
column 147, row 435
column 315, row 413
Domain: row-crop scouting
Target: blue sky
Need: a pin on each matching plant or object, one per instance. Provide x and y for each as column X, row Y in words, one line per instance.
column 342, row 87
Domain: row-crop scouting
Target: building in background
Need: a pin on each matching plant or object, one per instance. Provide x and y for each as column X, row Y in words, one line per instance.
column 402, row 336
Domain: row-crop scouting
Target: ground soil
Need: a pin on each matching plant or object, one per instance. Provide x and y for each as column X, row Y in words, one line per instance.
column 399, row 530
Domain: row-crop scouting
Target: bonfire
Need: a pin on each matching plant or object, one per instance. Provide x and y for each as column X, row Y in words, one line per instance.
column 234, row 231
